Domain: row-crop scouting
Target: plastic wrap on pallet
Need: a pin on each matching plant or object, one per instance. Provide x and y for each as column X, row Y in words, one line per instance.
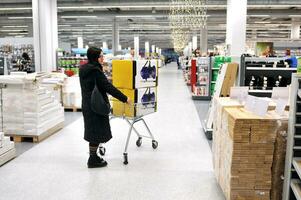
column 27, row 107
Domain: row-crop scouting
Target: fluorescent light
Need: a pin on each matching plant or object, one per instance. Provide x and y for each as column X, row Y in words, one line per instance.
column 258, row 15
column 14, row 26
column 263, row 22
column 16, row 30
column 92, row 25
column 64, row 25
column 11, row 9
column 67, row 17
column 17, row 33
column 19, row 17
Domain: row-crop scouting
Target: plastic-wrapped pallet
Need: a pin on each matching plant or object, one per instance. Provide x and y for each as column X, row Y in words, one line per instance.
column 72, row 93
column 7, row 149
column 28, row 109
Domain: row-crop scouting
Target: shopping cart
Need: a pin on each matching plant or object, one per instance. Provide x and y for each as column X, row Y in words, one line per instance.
column 133, row 114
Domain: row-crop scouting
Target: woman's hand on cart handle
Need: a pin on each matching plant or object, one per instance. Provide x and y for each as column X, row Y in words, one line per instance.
column 129, row 101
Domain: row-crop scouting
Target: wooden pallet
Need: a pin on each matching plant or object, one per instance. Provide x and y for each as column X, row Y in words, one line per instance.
column 36, row 138
column 72, row 109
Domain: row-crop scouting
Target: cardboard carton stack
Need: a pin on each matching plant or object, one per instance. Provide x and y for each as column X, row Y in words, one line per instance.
column 28, row 109
column 246, row 154
column 138, row 80
column 7, row 149
column 279, row 157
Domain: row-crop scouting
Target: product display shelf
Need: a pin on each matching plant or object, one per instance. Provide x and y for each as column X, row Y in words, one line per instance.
column 262, row 74
column 71, row 64
column 216, row 63
column 292, row 179
column 201, row 87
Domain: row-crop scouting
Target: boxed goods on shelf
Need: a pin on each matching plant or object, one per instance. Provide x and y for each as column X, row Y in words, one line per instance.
column 247, row 161
column 28, row 109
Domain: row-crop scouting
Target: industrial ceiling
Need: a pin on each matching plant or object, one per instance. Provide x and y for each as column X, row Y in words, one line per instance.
column 268, row 20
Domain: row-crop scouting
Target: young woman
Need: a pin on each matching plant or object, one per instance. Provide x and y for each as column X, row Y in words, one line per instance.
column 97, row 127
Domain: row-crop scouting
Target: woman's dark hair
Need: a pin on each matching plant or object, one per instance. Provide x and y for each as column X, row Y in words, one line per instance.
column 93, row 54
column 25, row 56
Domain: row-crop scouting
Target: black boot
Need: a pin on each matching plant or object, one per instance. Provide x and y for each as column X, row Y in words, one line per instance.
column 96, row 162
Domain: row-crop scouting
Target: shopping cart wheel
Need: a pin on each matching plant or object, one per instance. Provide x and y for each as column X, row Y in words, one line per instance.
column 102, row 151
column 125, row 156
column 139, row 142
column 155, row 144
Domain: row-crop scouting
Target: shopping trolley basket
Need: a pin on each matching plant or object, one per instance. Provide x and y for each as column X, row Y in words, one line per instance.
column 132, row 114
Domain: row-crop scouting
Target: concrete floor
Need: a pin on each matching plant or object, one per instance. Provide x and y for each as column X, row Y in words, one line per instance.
column 181, row 167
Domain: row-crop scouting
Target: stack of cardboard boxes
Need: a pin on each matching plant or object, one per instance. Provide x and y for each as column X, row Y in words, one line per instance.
column 248, row 163
column 138, row 80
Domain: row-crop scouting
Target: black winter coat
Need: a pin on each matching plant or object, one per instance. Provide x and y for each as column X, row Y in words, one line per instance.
column 97, row 128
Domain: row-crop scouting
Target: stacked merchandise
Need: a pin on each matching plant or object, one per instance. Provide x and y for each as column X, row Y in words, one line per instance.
column 138, row 80
column 72, row 97
column 13, row 54
column 201, row 87
column 247, row 149
column 248, row 163
column 261, row 75
column 279, row 158
column 28, row 108
column 218, row 145
column 7, row 149
column 71, row 64
column 54, row 83
column 217, row 61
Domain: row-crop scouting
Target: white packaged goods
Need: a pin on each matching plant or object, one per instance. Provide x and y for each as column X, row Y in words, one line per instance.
column 72, row 92
column 7, row 149
column 28, row 108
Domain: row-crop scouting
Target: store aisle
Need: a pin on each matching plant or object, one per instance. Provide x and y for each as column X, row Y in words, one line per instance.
column 181, row 167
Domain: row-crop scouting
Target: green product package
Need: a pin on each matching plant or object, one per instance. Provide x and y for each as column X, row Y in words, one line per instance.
column 299, row 66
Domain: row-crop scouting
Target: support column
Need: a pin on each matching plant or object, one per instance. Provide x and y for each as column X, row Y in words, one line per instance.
column 136, row 47
column 204, row 40
column 115, row 36
column 80, row 42
column 236, row 27
column 104, row 46
column 194, row 42
column 45, row 34
column 295, row 32
column 147, row 49
column 153, row 50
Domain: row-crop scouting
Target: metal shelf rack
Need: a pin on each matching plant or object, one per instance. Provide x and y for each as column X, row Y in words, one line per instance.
column 292, row 179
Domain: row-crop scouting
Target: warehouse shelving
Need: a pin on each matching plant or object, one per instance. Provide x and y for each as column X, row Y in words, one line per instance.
column 292, row 181
column 262, row 74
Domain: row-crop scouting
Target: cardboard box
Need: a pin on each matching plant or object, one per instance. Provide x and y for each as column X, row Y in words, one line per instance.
column 230, row 78
column 144, row 102
column 128, row 74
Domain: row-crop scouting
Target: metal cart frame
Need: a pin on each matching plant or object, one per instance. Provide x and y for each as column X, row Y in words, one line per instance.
column 132, row 121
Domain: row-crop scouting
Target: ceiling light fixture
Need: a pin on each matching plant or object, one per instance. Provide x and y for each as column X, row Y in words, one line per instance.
column 15, row 26
column 88, row 16
column 12, row 9
column 19, row 17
